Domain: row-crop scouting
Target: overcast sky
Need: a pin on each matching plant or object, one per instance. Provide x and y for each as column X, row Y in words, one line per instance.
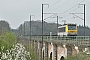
column 18, row 11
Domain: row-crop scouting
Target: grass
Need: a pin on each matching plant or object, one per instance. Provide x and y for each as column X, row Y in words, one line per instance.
column 80, row 56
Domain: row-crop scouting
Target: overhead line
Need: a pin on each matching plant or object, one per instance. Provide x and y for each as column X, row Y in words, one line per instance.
column 68, row 9
column 66, row 15
column 56, row 8
column 49, row 7
column 71, row 7
column 53, row 4
column 62, row 5
column 65, row 11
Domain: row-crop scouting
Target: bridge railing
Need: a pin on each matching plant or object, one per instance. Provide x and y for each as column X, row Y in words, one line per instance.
column 76, row 40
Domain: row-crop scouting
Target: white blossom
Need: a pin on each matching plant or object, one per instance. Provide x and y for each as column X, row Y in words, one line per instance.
column 16, row 53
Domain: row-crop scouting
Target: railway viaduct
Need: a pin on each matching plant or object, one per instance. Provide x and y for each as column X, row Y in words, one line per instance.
column 58, row 50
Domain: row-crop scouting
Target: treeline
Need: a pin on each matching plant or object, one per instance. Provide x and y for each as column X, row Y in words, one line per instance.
column 81, row 30
column 4, row 27
column 36, row 28
column 7, row 40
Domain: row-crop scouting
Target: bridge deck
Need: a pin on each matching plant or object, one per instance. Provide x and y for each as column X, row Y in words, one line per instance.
column 74, row 40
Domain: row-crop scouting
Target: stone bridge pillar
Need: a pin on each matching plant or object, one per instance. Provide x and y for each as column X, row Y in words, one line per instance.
column 61, row 52
column 50, row 51
column 56, row 51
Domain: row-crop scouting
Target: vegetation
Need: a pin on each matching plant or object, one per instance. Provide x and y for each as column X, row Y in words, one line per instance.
column 80, row 56
column 9, row 48
column 7, row 40
column 4, row 27
column 81, row 30
column 36, row 28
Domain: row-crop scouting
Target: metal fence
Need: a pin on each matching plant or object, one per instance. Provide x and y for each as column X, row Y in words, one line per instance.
column 76, row 40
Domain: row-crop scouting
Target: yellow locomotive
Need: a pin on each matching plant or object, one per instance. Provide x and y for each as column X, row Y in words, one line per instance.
column 68, row 30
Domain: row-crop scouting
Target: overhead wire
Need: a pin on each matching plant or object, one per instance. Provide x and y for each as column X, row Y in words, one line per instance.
column 71, row 7
column 66, row 15
column 56, row 8
column 66, row 10
column 49, row 7
column 61, row 5
column 53, row 4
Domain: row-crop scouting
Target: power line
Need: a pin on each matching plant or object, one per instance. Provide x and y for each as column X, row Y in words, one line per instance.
column 61, row 5
column 53, row 4
column 66, row 15
column 68, row 9
column 71, row 7
column 50, row 6
column 63, row 16
column 49, row 17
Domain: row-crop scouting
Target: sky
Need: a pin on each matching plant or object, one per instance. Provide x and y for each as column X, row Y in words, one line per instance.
column 15, row 12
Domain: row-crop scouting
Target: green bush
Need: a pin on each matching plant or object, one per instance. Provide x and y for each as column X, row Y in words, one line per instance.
column 7, row 41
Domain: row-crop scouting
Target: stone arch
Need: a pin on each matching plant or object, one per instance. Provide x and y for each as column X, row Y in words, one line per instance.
column 43, row 54
column 62, row 58
column 51, row 56
column 50, row 50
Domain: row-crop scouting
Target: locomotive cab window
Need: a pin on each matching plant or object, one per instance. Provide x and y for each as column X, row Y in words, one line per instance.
column 71, row 27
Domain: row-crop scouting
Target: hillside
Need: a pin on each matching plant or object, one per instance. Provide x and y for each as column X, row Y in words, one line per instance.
column 36, row 28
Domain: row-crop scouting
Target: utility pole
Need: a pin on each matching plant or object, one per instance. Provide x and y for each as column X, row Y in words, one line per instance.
column 30, row 34
column 42, row 30
column 30, row 29
column 84, row 19
column 80, row 17
column 42, row 26
column 57, row 24
column 42, row 21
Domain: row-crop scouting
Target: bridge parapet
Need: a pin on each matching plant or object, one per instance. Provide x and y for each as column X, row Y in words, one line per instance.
column 56, row 47
column 75, row 40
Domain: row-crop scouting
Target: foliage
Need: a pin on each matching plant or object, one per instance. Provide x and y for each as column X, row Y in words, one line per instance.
column 7, row 40
column 80, row 56
column 81, row 30
column 4, row 26
column 33, row 55
column 36, row 28
column 16, row 53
